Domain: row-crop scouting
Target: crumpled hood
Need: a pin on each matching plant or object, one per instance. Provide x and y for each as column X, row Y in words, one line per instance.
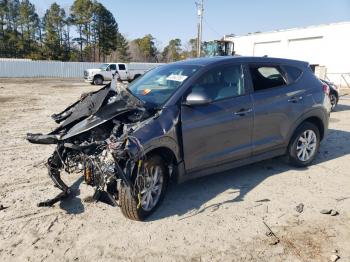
column 91, row 110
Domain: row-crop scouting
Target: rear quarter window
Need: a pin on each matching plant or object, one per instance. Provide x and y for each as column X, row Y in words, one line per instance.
column 293, row 73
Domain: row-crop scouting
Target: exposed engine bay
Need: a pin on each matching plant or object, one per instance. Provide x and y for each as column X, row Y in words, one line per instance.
column 95, row 137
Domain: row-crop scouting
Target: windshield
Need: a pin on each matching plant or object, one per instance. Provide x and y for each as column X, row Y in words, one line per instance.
column 156, row 86
column 104, row 66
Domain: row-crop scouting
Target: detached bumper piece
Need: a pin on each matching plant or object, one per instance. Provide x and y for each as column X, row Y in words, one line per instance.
column 54, row 164
column 42, row 139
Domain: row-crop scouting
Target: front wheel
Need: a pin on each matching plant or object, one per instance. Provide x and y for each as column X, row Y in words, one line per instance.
column 304, row 145
column 98, row 80
column 149, row 191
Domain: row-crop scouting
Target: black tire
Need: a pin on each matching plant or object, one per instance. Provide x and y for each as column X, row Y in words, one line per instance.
column 92, row 83
column 292, row 153
column 98, row 80
column 334, row 100
column 130, row 204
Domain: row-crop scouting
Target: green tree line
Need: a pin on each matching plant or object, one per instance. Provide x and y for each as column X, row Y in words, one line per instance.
column 89, row 33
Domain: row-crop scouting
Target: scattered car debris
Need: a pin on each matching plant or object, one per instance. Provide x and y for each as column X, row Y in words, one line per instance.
column 2, row 207
column 52, row 223
column 300, row 208
column 36, row 240
column 270, row 233
column 331, row 212
column 263, row 200
column 334, row 258
column 334, row 213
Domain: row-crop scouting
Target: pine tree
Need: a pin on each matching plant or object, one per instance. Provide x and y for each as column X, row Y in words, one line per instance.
column 81, row 16
column 106, row 30
column 10, row 44
column 29, row 23
column 54, row 21
column 122, row 49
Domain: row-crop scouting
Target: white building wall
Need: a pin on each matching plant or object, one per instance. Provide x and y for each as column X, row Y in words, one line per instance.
column 324, row 45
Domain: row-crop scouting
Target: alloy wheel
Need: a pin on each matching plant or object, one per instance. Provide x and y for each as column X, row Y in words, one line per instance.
column 152, row 188
column 306, row 146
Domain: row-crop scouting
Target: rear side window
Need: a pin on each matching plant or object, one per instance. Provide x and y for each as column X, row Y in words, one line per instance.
column 265, row 77
column 293, row 73
column 121, row 67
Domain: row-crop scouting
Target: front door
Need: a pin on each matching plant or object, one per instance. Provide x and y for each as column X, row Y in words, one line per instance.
column 108, row 75
column 218, row 132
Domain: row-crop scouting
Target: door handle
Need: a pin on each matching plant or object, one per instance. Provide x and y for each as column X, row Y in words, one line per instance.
column 243, row 112
column 295, row 99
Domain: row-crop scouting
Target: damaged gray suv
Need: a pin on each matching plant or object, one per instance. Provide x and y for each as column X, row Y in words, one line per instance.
column 185, row 120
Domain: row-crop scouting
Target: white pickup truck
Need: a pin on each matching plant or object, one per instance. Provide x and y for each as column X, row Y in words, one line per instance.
column 126, row 72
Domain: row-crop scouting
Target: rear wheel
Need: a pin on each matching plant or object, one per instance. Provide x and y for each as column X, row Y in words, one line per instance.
column 98, row 80
column 304, row 145
column 149, row 196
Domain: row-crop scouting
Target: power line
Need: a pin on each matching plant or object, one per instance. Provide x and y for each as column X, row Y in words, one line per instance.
column 211, row 28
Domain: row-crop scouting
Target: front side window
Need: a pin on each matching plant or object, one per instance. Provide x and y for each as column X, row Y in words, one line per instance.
column 220, row 83
column 103, row 67
column 157, row 85
column 265, row 77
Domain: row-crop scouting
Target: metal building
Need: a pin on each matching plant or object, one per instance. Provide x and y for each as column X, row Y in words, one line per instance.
column 326, row 47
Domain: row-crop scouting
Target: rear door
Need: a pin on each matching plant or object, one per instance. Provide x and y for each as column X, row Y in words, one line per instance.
column 278, row 101
column 220, row 131
column 122, row 72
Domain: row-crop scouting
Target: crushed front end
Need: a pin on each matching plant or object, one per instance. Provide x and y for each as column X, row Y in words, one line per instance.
column 95, row 137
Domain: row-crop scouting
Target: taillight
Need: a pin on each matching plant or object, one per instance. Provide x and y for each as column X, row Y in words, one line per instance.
column 325, row 89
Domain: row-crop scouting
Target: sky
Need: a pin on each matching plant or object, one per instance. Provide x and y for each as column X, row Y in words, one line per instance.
column 166, row 19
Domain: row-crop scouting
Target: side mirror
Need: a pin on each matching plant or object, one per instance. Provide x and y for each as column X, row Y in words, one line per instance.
column 108, row 69
column 197, row 99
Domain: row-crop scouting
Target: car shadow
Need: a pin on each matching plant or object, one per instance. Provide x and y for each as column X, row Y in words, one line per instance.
column 189, row 199
column 73, row 204
column 341, row 107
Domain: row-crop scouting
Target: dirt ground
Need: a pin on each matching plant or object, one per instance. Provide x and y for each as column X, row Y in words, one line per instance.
column 216, row 218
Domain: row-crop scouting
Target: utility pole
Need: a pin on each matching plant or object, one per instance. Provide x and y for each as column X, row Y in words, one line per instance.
column 200, row 7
